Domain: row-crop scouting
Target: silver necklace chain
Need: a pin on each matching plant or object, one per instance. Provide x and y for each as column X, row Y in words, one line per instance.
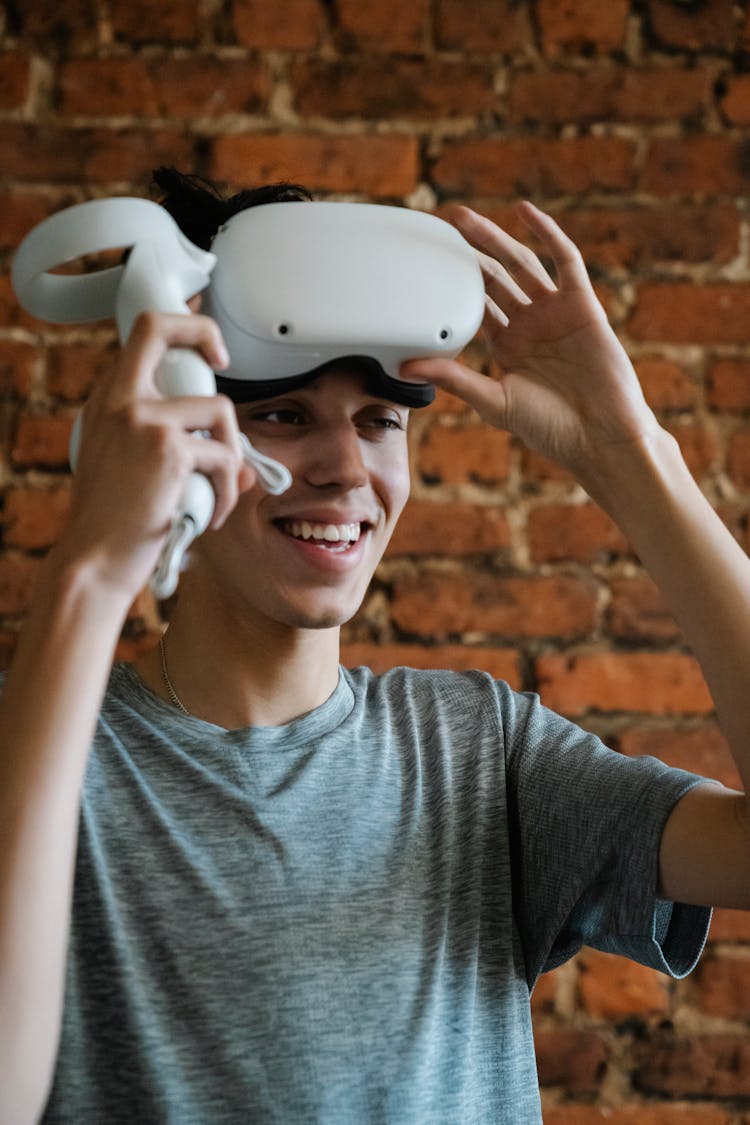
column 174, row 697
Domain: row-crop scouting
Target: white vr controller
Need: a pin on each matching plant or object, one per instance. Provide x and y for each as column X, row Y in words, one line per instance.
column 162, row 270
column 292, row 288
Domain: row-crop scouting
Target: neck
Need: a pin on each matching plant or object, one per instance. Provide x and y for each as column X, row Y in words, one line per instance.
column 236, row 671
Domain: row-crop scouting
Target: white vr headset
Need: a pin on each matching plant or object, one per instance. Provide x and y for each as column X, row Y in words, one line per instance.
column 294, row 288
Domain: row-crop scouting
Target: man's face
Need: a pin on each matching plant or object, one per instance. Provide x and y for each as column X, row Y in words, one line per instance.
column 305, row 559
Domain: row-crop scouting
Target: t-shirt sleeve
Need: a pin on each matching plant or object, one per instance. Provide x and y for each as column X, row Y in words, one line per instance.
column 585, row 825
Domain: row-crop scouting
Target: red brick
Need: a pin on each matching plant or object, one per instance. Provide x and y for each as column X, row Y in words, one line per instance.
column 735, row 104
column 639, row 236
column 729, row 384
column 701, row 750
column 141, row 21
column 529, row 165
column 8, row 641
column 60, row 155
column 17, row 576
column 660, row 1114
column 158, row 87
column 15, row 76
column 738, row 459
column 34, row 518
column 431, row 527
column 377, row 88
column 574, row 1059
column 708, row 1066
column 74, row 23
column 41, row 440
column 486, row 26
column 686, row 312
column 666, row 385
column 609, row 94
column 544, row 996
column 730, row 925
column 714, row 165
column 389, row 25
column 637, row 611
column 377, row 165
column 613, row 988
column 557, row 606
column 655, row 683
column 699, row 445
column 538, row 468
column 582, row 26
column 694, row 27
column 17, row 362
column 19, row 212
column 456, row 455
column 724, row 987
column 583, row 533
column 73, row 369
column 501, row 663
column 11, row 312
column 293, row 25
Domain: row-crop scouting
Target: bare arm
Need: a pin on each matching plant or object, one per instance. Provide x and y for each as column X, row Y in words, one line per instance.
column 135, row 454
column 569, row 391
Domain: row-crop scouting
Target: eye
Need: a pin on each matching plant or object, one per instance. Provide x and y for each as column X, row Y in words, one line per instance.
column 276, row 416
column 381, row 422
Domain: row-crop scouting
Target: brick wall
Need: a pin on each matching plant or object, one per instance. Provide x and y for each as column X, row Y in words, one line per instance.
column 628, row 120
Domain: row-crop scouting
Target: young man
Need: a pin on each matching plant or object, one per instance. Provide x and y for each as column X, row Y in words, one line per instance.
column 303, row 894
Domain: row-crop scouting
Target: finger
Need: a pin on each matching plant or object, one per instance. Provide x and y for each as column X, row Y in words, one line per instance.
column 569, row 264
column 153, row 333
column 224, row 470
column 521, row 262
column 206, row 414
column 500, row 287
column 483, row 394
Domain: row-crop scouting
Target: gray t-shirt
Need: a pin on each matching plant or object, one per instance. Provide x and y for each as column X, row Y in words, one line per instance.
column 339, row 920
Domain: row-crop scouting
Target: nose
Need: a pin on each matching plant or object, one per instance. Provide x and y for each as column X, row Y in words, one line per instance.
column 336, row 458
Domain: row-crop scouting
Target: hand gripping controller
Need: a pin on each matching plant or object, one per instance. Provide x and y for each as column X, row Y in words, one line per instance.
column 162, row 269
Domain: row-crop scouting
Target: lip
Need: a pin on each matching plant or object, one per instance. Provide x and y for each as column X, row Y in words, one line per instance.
column 325, row 515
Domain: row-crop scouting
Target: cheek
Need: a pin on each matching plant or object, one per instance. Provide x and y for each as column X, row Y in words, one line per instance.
column 396, row 487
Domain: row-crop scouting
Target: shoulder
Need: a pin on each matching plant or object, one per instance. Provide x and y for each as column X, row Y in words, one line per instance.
column 467, row 696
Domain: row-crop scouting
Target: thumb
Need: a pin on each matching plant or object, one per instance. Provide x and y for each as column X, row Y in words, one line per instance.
column 485, row 395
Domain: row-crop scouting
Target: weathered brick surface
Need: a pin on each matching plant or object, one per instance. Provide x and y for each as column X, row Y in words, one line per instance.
column 583, row 533
column 655, row 683
column 430, row 527
column 383, row 88
column 387, row 26
column 628, row 121
column 615, row 988
column 529, row 166
column 569, row 27
column 382, row 165
column 707, row 1066
column 502, row 663
column 453, row 455
column 576, row 1059
column 525, row 607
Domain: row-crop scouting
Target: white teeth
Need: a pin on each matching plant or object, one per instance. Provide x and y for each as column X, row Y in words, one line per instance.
column 328, row 532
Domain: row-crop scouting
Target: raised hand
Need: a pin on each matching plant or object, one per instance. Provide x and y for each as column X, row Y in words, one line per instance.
column 138, row 448
column 567, row 387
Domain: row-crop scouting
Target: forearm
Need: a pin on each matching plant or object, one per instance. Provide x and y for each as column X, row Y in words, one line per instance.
column 701, row 570
column 48, row 712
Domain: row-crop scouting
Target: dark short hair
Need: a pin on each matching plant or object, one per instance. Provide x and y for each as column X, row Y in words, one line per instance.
column 199, row 208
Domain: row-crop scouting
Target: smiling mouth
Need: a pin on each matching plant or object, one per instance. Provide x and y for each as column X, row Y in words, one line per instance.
column 333, row 537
